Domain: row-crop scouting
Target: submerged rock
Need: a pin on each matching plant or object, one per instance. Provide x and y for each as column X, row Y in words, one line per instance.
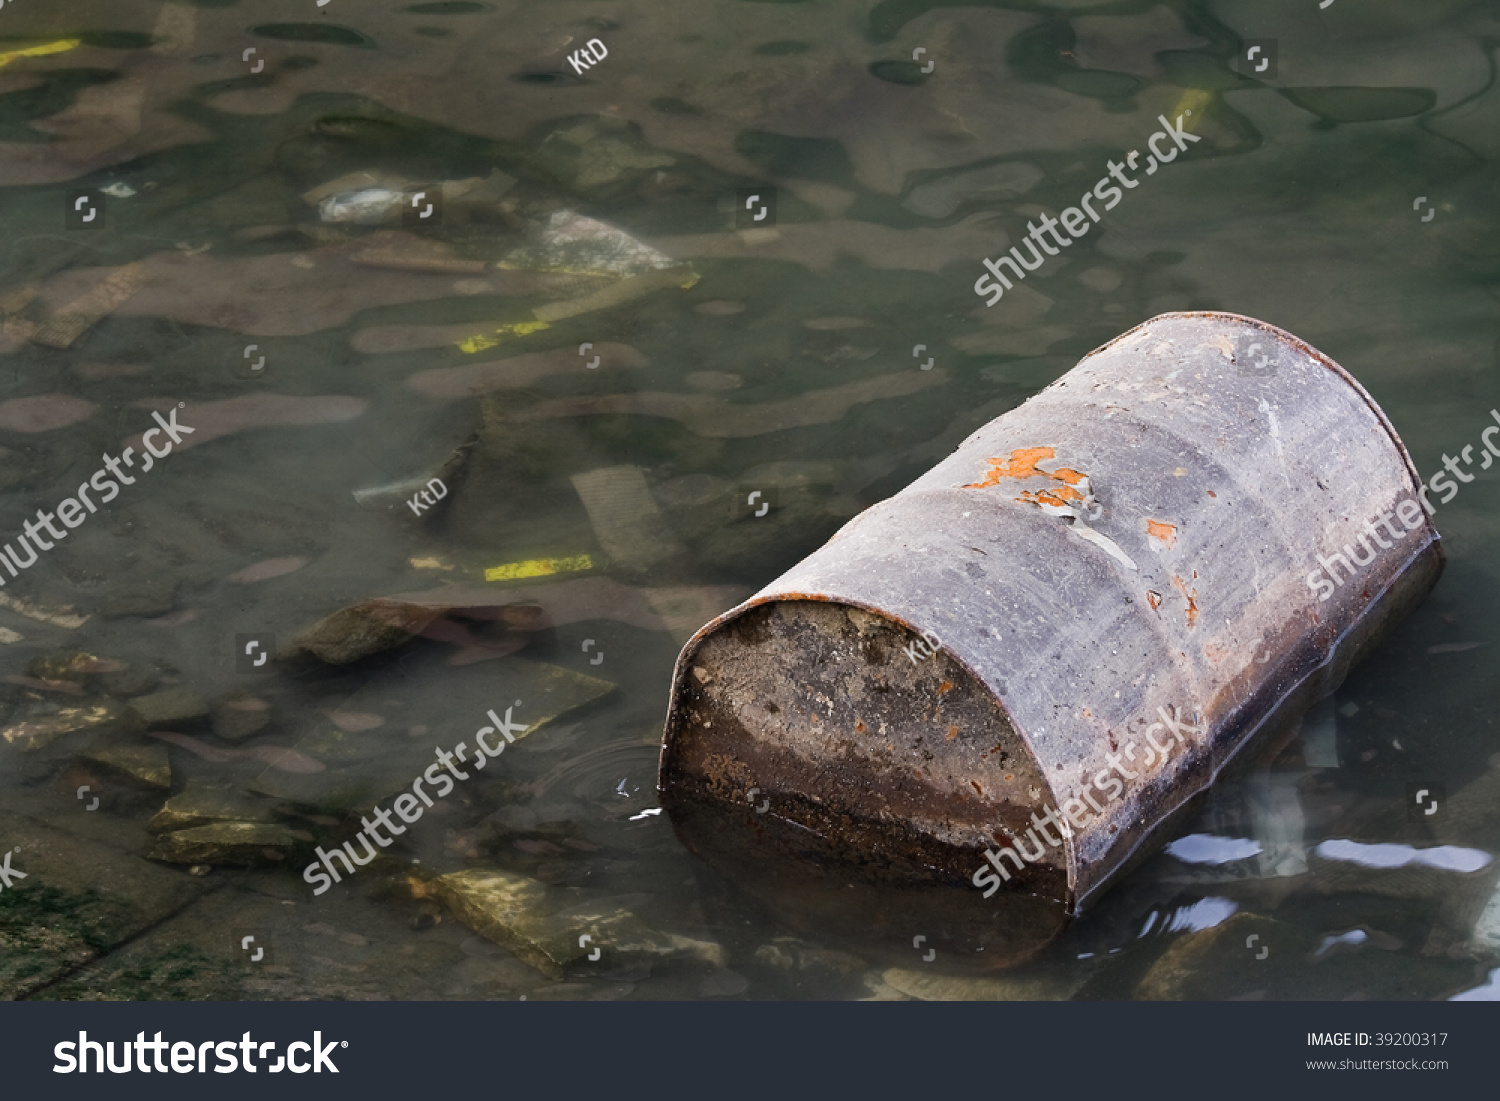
column 931, row 986
column 174, row 705
column 142, row 598
column 248, row 844
column 501, row 906
column 147, row 765
column 1241, row 955
column 369, row 627
column 238, row 716
column 73, row 665
column 39, row 731
column 795, row 954
column 523, row 915
column 81, row 899
column 64, row 615
column 204, row 804
column 134, row 680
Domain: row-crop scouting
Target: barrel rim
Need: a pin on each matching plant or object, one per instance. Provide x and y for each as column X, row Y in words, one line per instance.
column 690, row 650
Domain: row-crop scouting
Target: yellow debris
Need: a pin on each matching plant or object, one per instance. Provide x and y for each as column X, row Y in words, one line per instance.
column 480, row 341
column 1192, row 104
column 538, row 567
column 62, row 45
column 616, row 291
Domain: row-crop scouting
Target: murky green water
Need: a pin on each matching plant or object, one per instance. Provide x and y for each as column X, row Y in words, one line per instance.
column 603, row 403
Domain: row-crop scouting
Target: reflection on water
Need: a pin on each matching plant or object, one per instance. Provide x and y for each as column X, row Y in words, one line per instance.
column 370, row 257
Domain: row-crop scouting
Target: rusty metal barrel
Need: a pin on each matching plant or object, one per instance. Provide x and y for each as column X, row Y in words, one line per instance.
column 986, row 697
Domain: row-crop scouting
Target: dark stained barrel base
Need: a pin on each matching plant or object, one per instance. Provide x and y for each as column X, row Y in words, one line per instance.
column 837, row 904
column 830, row 720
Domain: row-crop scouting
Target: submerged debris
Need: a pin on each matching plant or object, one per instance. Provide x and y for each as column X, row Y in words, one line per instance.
column 574, row 243
column 555, row 930
column 369, row 206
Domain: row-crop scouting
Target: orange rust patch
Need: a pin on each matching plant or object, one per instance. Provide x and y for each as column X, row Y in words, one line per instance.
column 1153, row 598
column 1190, row 597
column 946, row 686
column 952, row 733
column 1045, row 497
column 1211, row 493
column 859, row 726
column 1163, row 533
column 1021, row 464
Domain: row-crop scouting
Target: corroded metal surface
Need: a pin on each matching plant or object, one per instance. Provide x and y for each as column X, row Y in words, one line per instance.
column 1122, row 561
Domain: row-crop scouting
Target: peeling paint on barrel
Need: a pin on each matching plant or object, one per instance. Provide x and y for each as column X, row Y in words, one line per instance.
column 1152, row 563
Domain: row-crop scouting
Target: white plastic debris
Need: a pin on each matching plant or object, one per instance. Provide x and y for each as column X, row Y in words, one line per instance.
column 370, row 206
column 572, row 243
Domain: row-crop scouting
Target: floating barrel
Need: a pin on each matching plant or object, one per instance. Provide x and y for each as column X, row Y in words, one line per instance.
column 986, row 697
